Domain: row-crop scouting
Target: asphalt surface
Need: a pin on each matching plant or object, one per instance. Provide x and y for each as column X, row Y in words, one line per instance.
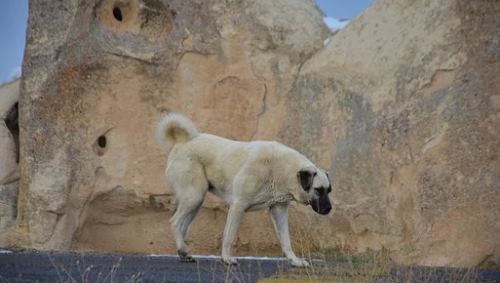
column 34, row 266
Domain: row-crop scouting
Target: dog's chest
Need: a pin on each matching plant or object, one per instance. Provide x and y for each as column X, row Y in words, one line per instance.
column 281, row 199
column 269, row 198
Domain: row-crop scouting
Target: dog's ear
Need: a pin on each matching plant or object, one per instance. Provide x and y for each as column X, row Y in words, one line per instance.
column 329, row 190
column 305, row 177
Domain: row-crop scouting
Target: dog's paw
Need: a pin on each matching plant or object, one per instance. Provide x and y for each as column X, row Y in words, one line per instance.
column 298, row 262
column 185, row 257
column 229, row 261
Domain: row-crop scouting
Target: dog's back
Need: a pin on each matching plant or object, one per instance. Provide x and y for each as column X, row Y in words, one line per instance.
column 219, row 156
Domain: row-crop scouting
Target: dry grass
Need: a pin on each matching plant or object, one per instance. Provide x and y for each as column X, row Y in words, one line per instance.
column 340, row 267
column 344, row 266
column 372, row 266
column 84, row 274
column 337, row 266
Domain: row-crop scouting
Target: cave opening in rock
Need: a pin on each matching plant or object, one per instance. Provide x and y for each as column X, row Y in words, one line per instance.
column 12, row 123
column 101, row 141
column 117, row 14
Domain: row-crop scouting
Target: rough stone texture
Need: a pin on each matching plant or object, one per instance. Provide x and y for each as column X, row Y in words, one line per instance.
column 8, row 153
column 9, row 173
column 407, row 97
column 8, row 206
column 9, row 95
column 95, row 83
column 402, row 106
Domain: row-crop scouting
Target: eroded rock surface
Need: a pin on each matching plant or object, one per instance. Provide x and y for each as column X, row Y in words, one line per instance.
column 9, row 150
column 407, row 102
column 99, row 76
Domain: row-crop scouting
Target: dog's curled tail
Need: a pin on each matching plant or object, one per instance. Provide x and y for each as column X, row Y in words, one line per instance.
column 175, row 128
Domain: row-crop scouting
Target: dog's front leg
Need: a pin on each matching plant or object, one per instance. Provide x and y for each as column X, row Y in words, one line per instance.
column 231, row 230
column 279, row 215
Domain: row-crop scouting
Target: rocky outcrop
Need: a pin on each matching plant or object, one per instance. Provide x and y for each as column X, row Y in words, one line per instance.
column 99, row 75
column 406, row 100
column 9, row 173
column 401, row 106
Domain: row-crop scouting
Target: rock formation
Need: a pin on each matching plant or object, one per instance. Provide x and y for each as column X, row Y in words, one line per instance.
column 401, row 106
column 408, row 99
column 9, row 149
column 99, row 75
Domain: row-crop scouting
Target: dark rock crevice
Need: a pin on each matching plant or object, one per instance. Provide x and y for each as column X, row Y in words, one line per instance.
column 12, row 123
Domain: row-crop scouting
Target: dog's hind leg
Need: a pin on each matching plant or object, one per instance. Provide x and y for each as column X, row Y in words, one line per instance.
column 184, row 215
column 188, row 205
column 231, row 230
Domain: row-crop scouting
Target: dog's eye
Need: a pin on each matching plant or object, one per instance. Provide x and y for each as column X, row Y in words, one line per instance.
column 320, row 191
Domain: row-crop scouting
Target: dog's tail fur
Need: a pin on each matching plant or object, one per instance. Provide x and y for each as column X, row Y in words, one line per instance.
column 175, row 128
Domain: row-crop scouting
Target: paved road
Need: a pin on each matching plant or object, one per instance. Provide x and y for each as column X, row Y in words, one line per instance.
column 440, row 275
column 33, row 266
column 78, row 267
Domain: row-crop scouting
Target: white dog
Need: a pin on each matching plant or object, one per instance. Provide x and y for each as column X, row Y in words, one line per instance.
column 246, row 175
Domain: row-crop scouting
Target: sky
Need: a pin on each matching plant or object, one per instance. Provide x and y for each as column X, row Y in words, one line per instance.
column 14, row 16
column 343, row 9
column 13, row 21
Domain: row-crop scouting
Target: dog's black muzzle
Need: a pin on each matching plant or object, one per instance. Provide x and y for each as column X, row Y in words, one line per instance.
column 322, row 205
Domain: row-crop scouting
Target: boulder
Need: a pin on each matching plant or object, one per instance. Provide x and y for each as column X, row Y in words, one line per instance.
column 98, row 75
column 403, row 107
column 9, row 95
column 9, row 132
column 9, row 173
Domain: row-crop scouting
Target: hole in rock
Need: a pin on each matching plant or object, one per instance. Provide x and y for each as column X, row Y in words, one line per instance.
column 146, row 20
column 101, row 141
column 117, row 13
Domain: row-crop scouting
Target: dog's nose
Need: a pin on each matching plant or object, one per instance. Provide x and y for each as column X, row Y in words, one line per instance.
column 326, row 210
